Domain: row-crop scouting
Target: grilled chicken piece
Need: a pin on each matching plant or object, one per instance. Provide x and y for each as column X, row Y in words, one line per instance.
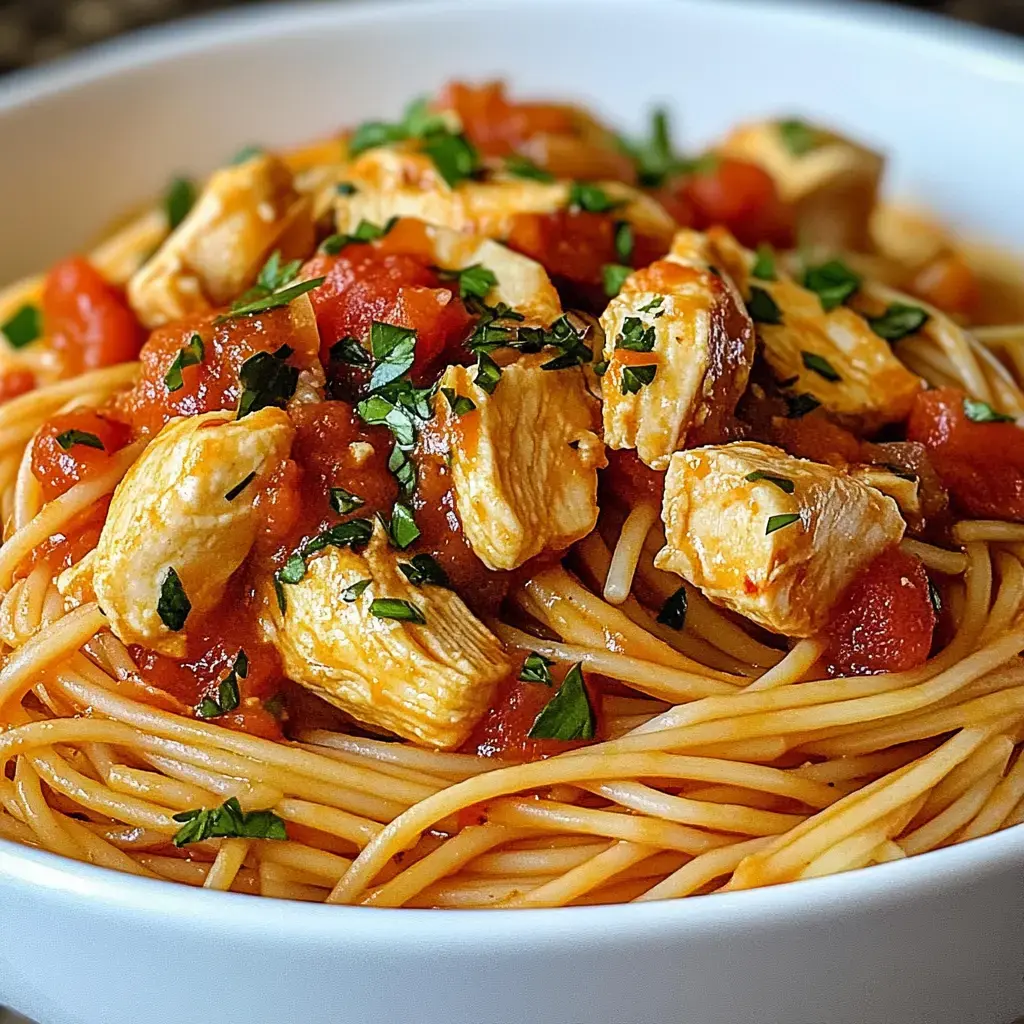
column 774, row 538
column 834, row 356
column 180, row 508
column 243, row 214
column 831, row 181
column 686, row 324
column 427, row 680
column 524, row 461
column 399, row 181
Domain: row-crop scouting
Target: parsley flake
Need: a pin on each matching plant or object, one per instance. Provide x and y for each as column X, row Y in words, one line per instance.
column 819, row 365
column 394, row 608
column 228, row 697
column 364, row 232
column 781, row 521
column 833, row 282
column 269, row 302
column 245, row 154
column 354, row 534
column 673, row 611
column 783, row 483
column 423, row 570
column 898, row 321
column 24, row 327
column 402, row 529
column 343, row 501
column 349, row 350
column 459, row 404
column 585, row 195
column 173, row 606
column 488, row 373
column 240, row 486
column 179, row 199
column 267, row 380
column 798, row 137
column 624, row 240
column 454, row 156
column 569, row 715
column 762, row 308
column 654, row 157
column 613, row 276
column 228, row 821
column 521, row 167
column 636, row 336
column 191, row 355
column 764, row 265
column 475, row 280
column 656, row 303
column 354, row 591
column 798, row 406
column 536, row 669
column 69, row 438
column 394, row 349
column 636, row 377
column 982, row 412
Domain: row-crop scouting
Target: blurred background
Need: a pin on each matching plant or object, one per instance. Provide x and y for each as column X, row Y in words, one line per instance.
column 32, row 31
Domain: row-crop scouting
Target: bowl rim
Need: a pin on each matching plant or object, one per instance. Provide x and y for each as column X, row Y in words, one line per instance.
column 980, row 51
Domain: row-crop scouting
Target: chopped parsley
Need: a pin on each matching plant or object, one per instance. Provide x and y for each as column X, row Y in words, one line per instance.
column 488, row 373
column 475, row 281
column 272, row 301
column 191, row 355
column 267, row 380
column 364, row 232
column 423, row 570
column 349, row 350
column 798, row 406
column 345, row 188
column 354, row 591
column 798, row 137
column 240, row 486
column 898, row 321
column 654, row 157
column 399, row 406
column 353, row 534
column 228, row 821
column 569, row 715
column 394, row 349
column 624, row 240
column 636, row 377
column 982, row 412
column 614, row 275
column 227, row 693
column 656, row 303
column 179, row 199
column 636, row 336
column 343, row 501
column 673, row 611
column 521, row 167
column 934, row 597
column 69, row 438
column 585, row 195
column 819, row 365
column 781, row 521
column 394, row 608
column 490, row 333
column 783, row 483
column 833, row 282
column 764, row 265
column 536, row 669
column 24, row 327
column 173, row 606
column 762, row 308
column 402, row 529
column 403, row 470
column 454, row 156
column 562, row 335
column 459, row 404
column 245, row 154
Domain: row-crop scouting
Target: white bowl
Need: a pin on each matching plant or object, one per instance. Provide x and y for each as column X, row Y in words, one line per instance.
column 936, row 939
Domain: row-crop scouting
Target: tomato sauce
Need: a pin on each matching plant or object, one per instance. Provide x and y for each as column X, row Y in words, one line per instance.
column 628, row 481
column 949, row 283
column 67, row 451
column 78, row 537
column 88, row 321
column 885, row 621
column 15, row 383
column 981, row 464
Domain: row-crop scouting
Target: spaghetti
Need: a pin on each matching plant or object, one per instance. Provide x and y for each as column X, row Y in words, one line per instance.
column 342, row 564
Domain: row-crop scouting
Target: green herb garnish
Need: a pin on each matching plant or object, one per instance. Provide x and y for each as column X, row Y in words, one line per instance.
column 636, row 377
column 349, row 350
column 536, row 669
column 673, row 611
column 179, row 199
column 982, row 412
column 228, row 821
column 898, row 321
column 476, row 280
column 569, row 714
column 394, row 350
column 636, row 336
column 343, row 501
column 402, row 529
column 798, row 136
column 69, row 438
column 819, row 365
column 424, row 570
column 488, row 373
column 459, row 404
column 267, row 380
column 585, row 195
column 173, row 605
column 24, row 327
column 764, row 265
column 364, row 232
column 613, row 276
column 228, row 697
column 191, row 355
column 354, row 591
column 783, row 483
column 781, row 521
column 240, row 486
column 521, row 167
column 762, row 308
column 393, row 608
column 833, row 282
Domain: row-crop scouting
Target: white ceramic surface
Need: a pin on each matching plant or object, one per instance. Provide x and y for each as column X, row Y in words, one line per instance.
column 934, row 940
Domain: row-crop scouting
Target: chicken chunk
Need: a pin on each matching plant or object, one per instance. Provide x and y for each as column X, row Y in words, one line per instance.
column 832, row 355
column 409, row 659
column 524, row 460
column 180, row 523
column 398, row 181
column 243, row 214
column 686, row 325
column 830, row 180
column 774, row 538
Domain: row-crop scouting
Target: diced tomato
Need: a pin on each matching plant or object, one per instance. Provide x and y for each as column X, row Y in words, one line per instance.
column 574, row 246
column 504, row 731
column 885, row 621
column 213, row 383
column 16, row 382
column 365, row 283
column 737, row 195
column 816, row 437
column 497, row 126
column 981, row 464
column 949, row 283
column 75, row 540
column 629, row 481
column 62, row 458
column 88, row 320
column 213, row 647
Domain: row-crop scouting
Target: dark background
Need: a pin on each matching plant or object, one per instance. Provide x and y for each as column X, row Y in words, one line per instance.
column 37, row 30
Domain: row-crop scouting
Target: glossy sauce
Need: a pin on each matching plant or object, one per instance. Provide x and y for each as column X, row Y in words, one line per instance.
column 58, row 468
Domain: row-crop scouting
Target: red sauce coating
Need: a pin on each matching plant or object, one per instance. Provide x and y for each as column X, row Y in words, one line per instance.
column 949, row 283
column 88, row 321
column 74, row 542
column 735, row 194
column 16, row 382
column 885, row 621
column 981, row 464
column 504, row 731
column 58, row 468
column 629, row 481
